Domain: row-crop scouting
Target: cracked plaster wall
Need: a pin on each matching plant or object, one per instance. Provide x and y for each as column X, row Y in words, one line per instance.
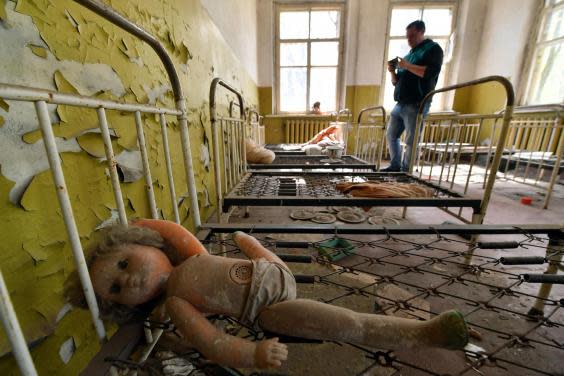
column 59, row 45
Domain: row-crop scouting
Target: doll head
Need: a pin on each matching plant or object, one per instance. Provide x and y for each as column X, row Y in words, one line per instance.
column 129, row 267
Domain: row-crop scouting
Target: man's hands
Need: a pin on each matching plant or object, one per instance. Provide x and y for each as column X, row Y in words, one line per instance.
column 402, row 63
column 418, row 70
column 270, row 353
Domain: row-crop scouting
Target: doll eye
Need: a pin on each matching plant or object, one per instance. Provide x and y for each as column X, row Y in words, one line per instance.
column 122, row 264
column 115, row 289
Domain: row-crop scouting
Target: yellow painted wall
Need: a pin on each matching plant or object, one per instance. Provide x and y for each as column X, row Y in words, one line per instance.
column 482, row 99
column 486, row 98
column 265, row 100
column 35, row 256
column 361, row 96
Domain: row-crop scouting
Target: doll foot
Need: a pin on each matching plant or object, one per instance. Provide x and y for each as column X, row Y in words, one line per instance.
column 452, row 331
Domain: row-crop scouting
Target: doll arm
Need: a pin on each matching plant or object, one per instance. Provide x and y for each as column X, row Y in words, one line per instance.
column 220, row 347
column 252, row 248
column 177, row 236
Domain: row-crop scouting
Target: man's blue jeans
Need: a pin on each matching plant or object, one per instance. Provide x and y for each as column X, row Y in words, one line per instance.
column 403, row 117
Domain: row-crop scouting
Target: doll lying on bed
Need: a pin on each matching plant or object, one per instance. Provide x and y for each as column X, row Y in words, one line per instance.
column 132, row 266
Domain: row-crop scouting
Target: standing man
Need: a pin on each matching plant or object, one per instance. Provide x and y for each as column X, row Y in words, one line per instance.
column 416, row 75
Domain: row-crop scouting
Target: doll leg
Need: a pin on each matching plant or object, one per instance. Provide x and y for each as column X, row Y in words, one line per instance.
column 316, row 320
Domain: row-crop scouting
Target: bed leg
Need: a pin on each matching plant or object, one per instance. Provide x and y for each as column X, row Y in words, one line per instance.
column 404, row 212
column 477, row 219
column 555, row 244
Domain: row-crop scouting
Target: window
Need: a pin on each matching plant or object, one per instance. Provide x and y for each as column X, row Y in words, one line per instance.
column 439, row 21
column 546, row 73
column 308, row 51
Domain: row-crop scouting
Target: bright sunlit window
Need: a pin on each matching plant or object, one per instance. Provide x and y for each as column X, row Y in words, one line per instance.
column 308, row 44
column 546, row 75
column 439, row 27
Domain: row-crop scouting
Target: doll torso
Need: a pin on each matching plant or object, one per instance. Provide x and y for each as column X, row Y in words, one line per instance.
column 212, row 284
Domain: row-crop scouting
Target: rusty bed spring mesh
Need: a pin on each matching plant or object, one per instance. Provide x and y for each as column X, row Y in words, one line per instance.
column 294, row 159
column 493, row 298
column 314, row 185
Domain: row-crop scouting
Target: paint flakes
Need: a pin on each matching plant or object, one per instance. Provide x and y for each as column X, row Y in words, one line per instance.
column 207, row 202
column 52, row 265
column 38, row 50
column 67, row 349
column 157, row 93
column 92, row 144
column 4, row 105
column 205, row 155
column 37, row 252
column 48, row 308
column 114, row 218
column 62, row 84
column 127, row 49
column 137, row 61
column 71, row 19
column 63, row 311
column 183, row 53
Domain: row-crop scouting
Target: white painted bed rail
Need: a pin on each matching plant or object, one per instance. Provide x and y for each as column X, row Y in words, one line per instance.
column 14, row 331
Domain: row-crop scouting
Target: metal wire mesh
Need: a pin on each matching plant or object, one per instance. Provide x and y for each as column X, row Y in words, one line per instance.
column 491, row 294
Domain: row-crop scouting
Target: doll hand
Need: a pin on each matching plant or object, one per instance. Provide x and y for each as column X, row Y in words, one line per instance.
column 270, row 353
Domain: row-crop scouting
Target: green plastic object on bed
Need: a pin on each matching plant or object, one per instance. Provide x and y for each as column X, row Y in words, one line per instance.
column 335, row 249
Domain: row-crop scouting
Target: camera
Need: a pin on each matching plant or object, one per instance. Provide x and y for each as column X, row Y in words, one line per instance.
column 393, row 63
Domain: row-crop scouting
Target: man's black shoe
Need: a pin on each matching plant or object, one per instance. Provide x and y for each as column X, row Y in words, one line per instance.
column 389, row 169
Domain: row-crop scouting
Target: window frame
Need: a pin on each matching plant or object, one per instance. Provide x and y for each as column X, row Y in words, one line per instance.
column 450, row 45
column 285, row 7
column 533, row 47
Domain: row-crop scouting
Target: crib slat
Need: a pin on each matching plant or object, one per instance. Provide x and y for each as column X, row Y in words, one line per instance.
column 70, row 224
column 146, row 168
column 14, row 331
column 168, row 162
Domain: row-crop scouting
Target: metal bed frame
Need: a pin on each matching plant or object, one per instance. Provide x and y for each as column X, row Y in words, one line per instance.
column 370, row 134
column 291, row 188
column 451, row 152
column 367, row 135
column 309, row 162
column 256, row 127
column 457, row 129
column 301, row 130
column 535, row 141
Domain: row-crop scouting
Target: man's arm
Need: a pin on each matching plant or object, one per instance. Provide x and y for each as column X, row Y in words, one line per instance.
column 418, row 70
column 433, row 61
column 220, row 347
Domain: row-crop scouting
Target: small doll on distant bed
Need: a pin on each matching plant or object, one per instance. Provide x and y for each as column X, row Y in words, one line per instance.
column 155, row 258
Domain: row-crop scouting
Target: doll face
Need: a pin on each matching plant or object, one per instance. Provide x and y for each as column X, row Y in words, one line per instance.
column 133, row 275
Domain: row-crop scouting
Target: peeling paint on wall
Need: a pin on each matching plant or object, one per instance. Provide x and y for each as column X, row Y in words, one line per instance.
column 21, row 161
